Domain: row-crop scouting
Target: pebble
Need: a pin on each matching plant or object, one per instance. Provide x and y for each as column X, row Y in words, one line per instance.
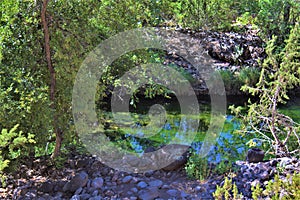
column 75, row 197
column 97, row 183
column 173, row 192
column 149, row 194
column 156, row 183
column 78, row 191
column 198, row 188
column 126, row 179
column 141, row 185
column 135, row 190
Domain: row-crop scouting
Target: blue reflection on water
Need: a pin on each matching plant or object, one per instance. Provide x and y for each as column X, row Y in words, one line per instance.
column 226, row 143
column 167, row 126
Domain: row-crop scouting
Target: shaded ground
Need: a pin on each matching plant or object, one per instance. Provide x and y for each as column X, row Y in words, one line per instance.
column 83, row 177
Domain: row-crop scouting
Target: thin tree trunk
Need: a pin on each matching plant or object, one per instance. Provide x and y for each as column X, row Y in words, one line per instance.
column 51, row 69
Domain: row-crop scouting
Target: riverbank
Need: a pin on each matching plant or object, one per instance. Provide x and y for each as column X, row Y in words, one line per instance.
column 84, row 177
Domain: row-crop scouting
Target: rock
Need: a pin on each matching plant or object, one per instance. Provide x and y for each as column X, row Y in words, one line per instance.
column 126, row 179
column 95, row 193
column 273, row 163
column 149, row 173
column 169, row 174
column 134, row 190
column 149, row 193
column 46, row 187
column 149, row 149
column 173, row 192
column 284, row 161
column 59, row 185
column 255, row 182
column 75, row 197
column 165, row 186
column 255, row 155
column 246, row 175
column 58, row 195
column 96, row 198
column 79, row 180
column 156, row 183
column 180, row 153
column 141, row 185
column 85, row 196
column 97, row 183
column 82, row 163
column 78, row 191
column 109, row 193
column 183, row 195
column 264, row 176
column 198, row 188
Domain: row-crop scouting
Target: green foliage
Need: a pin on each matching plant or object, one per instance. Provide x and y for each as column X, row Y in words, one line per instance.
column 289, row 188
column 275, row 17
column 59, row 161
column 246, row 76
column 23, row 85
column 256, row 191
column 228, row 191
column 276, row 189
column 230, row 81
column 198, row 167
column 280, row 73
column 13, row 144
column 205, row 14
column 249, row 76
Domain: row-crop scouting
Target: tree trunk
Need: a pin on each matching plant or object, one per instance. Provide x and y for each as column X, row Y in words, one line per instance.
column 51, row 69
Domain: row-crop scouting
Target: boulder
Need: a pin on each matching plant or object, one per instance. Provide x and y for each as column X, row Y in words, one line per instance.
column 79, row 180
column 255, row 155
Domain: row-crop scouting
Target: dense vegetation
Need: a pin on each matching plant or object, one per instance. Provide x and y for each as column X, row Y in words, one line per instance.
column 43, row 43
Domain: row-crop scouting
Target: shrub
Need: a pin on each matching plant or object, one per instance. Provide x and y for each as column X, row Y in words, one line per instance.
column 198, row 167
column 249, row 76
column 228, row 191
column 12, row 145
column 280, row 73
column 277, row 189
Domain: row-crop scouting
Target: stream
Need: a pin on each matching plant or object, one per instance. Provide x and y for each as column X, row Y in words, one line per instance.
column 137, row 137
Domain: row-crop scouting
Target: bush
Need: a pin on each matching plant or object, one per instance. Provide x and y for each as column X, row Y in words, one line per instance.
column 198, row 167
column 249, row 76
column 228, row 191
column 12, row 146
column 280, row 73
column 277, row 189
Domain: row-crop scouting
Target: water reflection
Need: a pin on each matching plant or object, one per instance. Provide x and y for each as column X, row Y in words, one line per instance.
column 175, row 129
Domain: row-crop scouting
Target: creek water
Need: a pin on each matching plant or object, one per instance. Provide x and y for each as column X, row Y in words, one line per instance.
column 137, row 137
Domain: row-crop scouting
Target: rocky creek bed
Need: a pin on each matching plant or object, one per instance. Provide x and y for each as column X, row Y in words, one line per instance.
column 83, row 177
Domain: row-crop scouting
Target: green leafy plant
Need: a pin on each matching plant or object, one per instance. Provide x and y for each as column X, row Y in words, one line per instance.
column 276, row 189
column 280, row 73
column 281, row 189
column 12, row 145
column 249, row 76
column 231, row 82
column 228, row 191
column 198, row 167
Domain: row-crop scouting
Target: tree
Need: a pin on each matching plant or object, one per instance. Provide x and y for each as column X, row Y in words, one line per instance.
column 56, row 129
column 23, row 91
column 279, row 74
